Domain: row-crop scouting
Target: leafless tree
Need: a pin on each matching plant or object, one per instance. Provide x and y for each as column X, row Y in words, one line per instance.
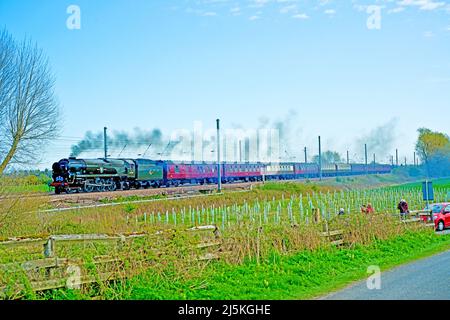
column 7, row 48
column 30, row 110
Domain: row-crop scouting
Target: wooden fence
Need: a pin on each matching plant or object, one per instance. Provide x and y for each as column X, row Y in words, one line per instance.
column 418, row 216
column 53, row 272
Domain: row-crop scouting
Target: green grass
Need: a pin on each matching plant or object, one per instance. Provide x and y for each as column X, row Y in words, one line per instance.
column 301, row 276
column 121, row 198
column 437, row 183
column 291, row 187
column 23, row 189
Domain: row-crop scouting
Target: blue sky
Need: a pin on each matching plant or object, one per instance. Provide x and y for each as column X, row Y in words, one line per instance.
column 166, row 64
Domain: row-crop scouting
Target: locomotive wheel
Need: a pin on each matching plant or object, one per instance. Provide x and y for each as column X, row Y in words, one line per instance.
column 57, row 190
column 88, row 188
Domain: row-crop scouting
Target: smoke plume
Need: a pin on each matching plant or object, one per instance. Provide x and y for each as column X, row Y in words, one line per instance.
column 120, row 140
column 380, row 140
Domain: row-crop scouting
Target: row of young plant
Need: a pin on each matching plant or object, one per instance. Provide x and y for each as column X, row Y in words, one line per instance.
column 296, row 209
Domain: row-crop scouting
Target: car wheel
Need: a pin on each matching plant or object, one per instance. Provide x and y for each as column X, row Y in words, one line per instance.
column 440, row 226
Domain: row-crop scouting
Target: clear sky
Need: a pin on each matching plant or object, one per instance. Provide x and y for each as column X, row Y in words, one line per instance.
column 165, row 64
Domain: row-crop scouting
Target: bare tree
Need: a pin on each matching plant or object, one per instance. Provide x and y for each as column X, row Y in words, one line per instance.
column 30, row 109
column 7, row 49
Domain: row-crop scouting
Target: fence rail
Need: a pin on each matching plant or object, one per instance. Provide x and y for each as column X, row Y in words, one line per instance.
column 64, row 272
column 53, row 272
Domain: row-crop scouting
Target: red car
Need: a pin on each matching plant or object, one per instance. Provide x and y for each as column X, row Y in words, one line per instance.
column 441, row 215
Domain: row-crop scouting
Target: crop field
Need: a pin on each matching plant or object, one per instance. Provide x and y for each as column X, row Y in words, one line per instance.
column 260, row 228
column 437, row 183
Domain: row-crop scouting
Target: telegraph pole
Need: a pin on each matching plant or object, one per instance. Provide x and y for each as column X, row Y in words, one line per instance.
column 374, row 161
column 105, row 142
column 320, row 159
column 348, row 157
column 219, row 173
column 415, row 164
column 306, row 156
column 396, row 157
column 365, row 154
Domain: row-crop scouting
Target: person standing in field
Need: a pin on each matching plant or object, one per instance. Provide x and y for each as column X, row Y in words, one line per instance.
column 369, row 208
column 403, row 208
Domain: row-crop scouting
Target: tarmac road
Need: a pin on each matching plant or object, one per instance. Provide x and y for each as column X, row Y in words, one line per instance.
column 425, row 279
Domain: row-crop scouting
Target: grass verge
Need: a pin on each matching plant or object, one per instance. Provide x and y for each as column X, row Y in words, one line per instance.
column 305, row 275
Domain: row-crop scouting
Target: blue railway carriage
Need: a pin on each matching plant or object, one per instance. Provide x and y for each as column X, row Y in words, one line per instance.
column 279, row 171
column 358, row 169
column 380, row 168
column 328, row 170
column 306, row 170
column 344, row 169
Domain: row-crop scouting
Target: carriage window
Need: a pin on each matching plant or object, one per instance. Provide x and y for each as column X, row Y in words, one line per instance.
column 177, row 169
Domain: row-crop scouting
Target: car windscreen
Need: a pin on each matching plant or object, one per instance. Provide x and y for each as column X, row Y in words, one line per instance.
column 437, row 208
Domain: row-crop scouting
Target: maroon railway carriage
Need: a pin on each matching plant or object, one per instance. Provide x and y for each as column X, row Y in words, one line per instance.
column 180, row 173
column 242, row 172
column 305, row 170
column 203, row 173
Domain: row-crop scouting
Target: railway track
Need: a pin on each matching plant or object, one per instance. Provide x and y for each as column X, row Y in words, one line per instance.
column 64, row 202
column 95, row 197
column 184, row 189
column 171, row 192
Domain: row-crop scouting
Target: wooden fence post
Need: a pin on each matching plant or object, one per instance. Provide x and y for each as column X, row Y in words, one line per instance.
column 217, row 233
column 258, row 244
column 121, row 243
column 49, row 248
column 316, row 215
